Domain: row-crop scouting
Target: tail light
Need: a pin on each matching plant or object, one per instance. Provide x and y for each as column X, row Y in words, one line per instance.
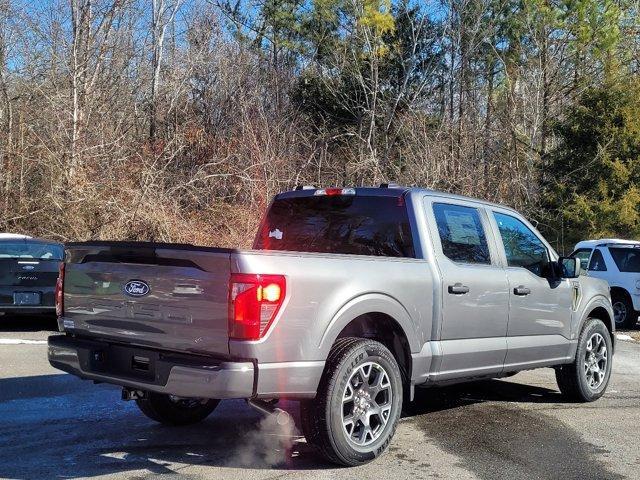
column 59, row 291
column 254, row 301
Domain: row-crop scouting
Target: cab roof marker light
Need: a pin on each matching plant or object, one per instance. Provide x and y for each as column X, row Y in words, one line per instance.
column 335, row 191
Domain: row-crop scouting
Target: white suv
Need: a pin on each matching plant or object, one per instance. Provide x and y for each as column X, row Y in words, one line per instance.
column 618, row 262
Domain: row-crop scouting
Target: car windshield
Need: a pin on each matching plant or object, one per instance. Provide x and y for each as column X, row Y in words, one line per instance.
column 40, row 251
column 349, row 224
column 627, row 259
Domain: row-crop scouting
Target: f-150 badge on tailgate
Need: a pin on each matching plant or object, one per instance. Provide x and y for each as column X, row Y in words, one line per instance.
column 136, row 288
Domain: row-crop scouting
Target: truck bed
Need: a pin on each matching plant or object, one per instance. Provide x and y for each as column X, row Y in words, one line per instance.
column 187, row 307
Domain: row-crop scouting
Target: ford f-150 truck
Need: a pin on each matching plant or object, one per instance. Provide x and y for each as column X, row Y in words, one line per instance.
column 350, row 299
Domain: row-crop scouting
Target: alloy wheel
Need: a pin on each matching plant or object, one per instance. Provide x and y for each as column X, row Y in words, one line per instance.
column 366, row 404
column 596, row 361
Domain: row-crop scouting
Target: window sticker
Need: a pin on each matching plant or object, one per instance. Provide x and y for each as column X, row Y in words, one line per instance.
column 462, row 228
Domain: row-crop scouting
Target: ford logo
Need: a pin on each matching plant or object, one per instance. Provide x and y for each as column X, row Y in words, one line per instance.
column 136, row 288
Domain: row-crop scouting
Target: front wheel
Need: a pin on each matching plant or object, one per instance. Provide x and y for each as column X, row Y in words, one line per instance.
column 357, row 408
column 586, row 379
column 172, row 410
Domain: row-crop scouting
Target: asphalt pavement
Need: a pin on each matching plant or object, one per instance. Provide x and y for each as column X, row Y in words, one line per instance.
column 53, row 425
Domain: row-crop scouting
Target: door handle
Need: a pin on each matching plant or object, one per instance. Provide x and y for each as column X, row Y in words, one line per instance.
column 521, row 290
column 458, row 289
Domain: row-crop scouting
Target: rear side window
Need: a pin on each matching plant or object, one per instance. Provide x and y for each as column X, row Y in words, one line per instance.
column 348, row 224
column 627, row 259
column 461, row 233
column 522, row 247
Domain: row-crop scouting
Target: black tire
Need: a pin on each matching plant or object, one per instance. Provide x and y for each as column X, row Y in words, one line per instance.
column 624, row 314
column 322, row 417
column 573, row 378
column 175, row 411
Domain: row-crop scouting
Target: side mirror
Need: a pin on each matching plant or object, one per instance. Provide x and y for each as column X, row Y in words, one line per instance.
column 569, row 267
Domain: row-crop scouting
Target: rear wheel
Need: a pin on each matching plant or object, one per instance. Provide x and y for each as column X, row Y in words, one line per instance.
column 586, row 379
column 171, row 410
column 357, row 408
column 623, row 312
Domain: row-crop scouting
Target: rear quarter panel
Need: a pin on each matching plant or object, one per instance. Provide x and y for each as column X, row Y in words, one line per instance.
column 325, row 292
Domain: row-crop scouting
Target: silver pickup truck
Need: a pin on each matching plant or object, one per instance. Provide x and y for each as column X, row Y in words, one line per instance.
column 349, row 300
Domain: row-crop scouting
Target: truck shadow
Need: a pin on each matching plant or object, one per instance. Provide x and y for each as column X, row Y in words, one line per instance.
column 435, row 399
column 58, row 425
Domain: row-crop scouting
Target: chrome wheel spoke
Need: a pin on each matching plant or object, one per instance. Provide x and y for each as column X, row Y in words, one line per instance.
column 384, row 413
column 365, row 372
column 348, row 393
column 590, row 345
column 380, row 383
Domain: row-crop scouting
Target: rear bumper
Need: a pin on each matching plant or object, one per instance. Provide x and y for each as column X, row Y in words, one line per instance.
column 181, row 374
column 175, row 374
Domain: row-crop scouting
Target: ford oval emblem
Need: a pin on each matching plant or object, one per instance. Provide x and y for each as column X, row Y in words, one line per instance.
column 136, row 288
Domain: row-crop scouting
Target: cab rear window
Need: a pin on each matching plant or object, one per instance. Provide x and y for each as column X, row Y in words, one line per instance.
column 348, row 224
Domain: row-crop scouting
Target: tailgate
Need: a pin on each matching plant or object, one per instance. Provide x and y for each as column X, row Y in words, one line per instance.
column 169, row 296
column 35, row 277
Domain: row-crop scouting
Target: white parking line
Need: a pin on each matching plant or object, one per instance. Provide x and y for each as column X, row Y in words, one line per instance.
column 19, row 341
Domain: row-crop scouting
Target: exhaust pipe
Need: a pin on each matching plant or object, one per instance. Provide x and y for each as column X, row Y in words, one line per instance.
column 131, row 394
column 281, row 416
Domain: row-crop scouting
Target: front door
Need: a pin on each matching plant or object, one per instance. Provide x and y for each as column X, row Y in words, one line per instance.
column 474, row 293
column 540, row 305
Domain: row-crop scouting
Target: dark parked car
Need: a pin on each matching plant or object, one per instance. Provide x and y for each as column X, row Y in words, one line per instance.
column 28, row 273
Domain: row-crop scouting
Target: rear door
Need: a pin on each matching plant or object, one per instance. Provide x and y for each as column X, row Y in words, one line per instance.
column 475, row 290
column 168, row 296
column 540, row 306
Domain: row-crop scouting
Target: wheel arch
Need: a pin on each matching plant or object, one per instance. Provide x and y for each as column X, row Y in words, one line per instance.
column 385, row 329
column 616, row 290
column 602, row 310
column 378, row 317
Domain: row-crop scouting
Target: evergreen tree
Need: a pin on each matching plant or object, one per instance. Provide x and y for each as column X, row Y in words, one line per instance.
column 594, row 173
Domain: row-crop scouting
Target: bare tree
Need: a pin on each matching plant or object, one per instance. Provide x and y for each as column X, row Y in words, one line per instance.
column 163, row 13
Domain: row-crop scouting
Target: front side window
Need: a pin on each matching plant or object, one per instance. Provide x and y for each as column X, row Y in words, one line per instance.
column 583, row 255
column 522, row 247
column 461, row 233
column 597, row 262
